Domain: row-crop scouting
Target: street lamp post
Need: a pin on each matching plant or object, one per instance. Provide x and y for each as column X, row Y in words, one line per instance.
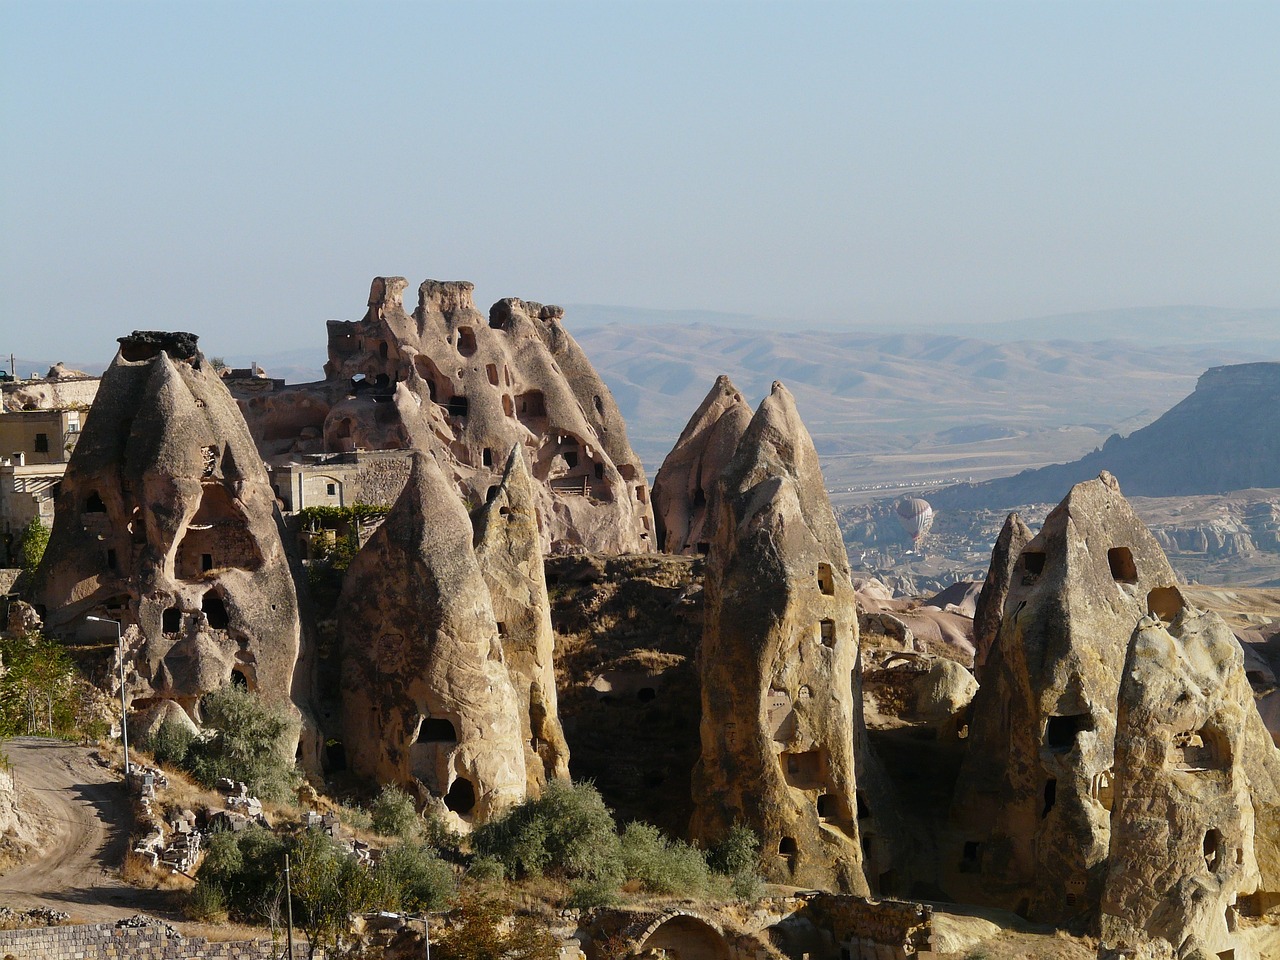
column 124, row 710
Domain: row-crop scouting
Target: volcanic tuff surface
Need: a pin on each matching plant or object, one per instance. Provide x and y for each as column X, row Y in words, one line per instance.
column 777, row 662
column 446, row 380
column 167, row 523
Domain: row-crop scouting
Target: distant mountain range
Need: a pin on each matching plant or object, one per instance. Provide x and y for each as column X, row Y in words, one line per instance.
column 1225, row 436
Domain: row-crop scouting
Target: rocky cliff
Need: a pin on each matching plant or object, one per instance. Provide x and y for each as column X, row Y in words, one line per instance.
column 445, row 379
column 166, row 522
column 1224, row 436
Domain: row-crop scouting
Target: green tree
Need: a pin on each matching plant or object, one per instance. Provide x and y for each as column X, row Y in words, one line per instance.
column 39, row 690
column 661, row 865
column 170, row 743
column 329, row 886
column 568, row 832
column 415, row 877
column 31, row 543
column 395, row 815
column 251, row 741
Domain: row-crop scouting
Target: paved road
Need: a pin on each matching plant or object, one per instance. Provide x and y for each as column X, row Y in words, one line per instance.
column 83, row 815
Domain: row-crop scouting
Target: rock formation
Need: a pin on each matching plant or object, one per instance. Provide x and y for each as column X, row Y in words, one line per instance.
column 688, row 474
column 1034, row 794
column 506, row 542
column 1195, row 828
column 1014, row 535
column 1224, row 436
column 780, row 700
column 445, row 380
column 427, row 700
column 166, row 522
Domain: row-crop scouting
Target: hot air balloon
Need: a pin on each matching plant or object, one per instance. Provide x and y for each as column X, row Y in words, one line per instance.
column 916, row 516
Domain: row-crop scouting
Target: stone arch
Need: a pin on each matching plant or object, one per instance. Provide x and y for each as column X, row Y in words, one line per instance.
column 684, row 935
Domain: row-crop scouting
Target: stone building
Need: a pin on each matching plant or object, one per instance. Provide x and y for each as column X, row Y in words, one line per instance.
column 1033, row 800
column 1195, row 827
column 166, row 523
column 779, row 651
column 444, row 379
column 689, row 473
column 427, row 700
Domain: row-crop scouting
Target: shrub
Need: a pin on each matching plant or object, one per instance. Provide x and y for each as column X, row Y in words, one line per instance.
column 589, row 893
column 737, row 856
column 486, row 870
column 416, row 878
column 355, row 817
column 395, row 815
column 568, row 832
column 483, row 928
column 660, row 865
column 170, row 743
column 248, row 867
column 251, row 742
column 329, row 885
column 31, row 544
column 206, row 903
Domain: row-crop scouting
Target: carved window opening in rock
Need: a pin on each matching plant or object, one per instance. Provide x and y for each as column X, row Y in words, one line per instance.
column 238, row 679
column 1227, row 955
column 491, row 494
column 1199, row 751
column 599, row 471
column 1123, row 569
column 627, row 471
column 570, row 458
column 486, row 457
column 599, row 405
column 491, row 371
column 531, row 404
column 138, row 526
column 788, row 847
column 1213, row 850
column 502, row 629
column 1060, row 732
column 218, row 532
column 94, row 504
column 1050, row 796
column 646, row 694
column 461, row 798
column 863, row 811
column 971, row 857
column 215, row 611
column 703, row 547
column 383, row 350
column 642, row 495
column 466, row 341
column 335, row 756
column 508, row 408
column 459, row 406
column 111, row 559
column 1103, row 789
column 827, row 632
column 828, row 807
column 699, row 497
column 826, row 579
column 437, row 730
column 805, row 771
column 1165, row 603
column 1032, row 564
column 171, row 620
column 780, row 718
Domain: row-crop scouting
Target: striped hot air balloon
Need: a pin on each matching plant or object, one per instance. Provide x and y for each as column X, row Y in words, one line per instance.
column 916, row 516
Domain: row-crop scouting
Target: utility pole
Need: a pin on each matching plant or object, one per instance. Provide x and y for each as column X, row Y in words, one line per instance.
column 124, row 710
column 288, row 904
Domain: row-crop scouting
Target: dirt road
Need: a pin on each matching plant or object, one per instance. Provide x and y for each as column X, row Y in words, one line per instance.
column 82, row 814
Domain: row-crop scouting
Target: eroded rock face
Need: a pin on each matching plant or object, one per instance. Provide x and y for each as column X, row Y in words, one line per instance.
column 1196, row 819
column 780, row 701
column 1034, row 795
column 427, row 700
column 166, row 522
column 507, row 549
column 689, row 473
column 444, row 379
column 1014, row 535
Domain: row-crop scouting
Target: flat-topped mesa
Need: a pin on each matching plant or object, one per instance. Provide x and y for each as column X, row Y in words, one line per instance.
column 506, row 539
column 166, row 522
column 1196, row 819
column 1033, row 797
column 1014, row 535
column 689, row 473
column 779, row 650
column 427, row 699
column 446, row 380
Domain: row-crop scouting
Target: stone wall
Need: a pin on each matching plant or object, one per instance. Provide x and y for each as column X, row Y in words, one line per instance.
column 105, row 941
column 381, row 478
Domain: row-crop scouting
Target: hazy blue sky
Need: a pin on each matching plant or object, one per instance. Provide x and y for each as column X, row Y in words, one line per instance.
column 243, row 169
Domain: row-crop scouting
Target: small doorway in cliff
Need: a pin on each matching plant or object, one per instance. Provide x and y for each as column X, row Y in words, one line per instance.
column 335, row 756
column 215, row 611
column 466, row 341
column 1060, row 732
column 461, row 798
column 437, row 730
column 826, row 579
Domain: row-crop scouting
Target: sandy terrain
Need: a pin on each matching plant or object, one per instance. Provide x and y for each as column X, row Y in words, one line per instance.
column 80, row 810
